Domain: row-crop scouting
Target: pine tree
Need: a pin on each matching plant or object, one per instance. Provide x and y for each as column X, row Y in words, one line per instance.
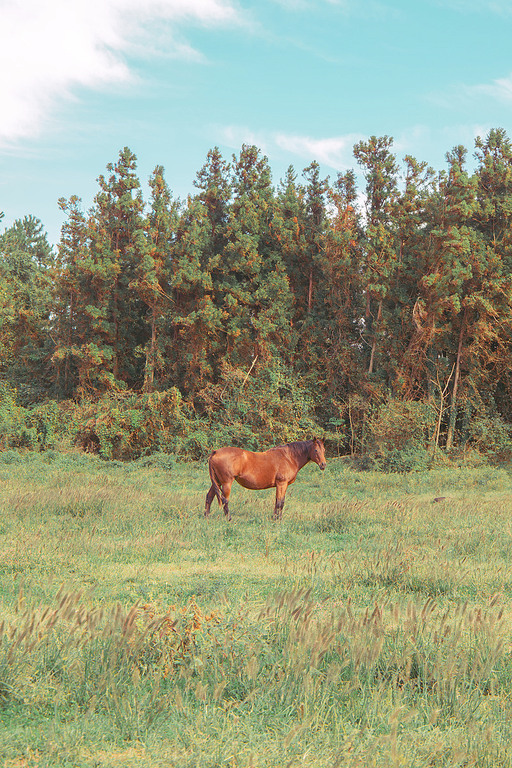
column 119, row 332
column 71, row 298
column 154, row 250
column 343, row 291
column 26, row 276
column 196, row 324
column 493, row 220
column 380, row 251
column 214, row 184
column 196, row 327
column 465, row 289
column 315, row 228
column 413, row 325
column 254, row 286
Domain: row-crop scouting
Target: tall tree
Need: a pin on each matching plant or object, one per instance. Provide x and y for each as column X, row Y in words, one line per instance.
column 118, row 329
column 72, row 295
column 342, row 280
column 380, row 252
column 493, row 219
column 196, row 328
column 254, row 286
column 213, row 181
column 154, row 250
column 196, row 324
column 465, row 288
column 26, row 277
column 413, row 325
column 315, row 226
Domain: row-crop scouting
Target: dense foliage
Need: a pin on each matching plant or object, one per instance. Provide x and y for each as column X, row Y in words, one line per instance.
column 252, row 313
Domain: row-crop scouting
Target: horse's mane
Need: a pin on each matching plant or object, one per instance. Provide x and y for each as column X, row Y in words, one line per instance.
column 297, row 448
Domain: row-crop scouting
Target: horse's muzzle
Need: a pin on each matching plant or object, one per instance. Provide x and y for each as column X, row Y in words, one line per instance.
column 322, row 465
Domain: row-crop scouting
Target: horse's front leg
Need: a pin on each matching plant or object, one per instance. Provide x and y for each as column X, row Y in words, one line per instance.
column 280, row 494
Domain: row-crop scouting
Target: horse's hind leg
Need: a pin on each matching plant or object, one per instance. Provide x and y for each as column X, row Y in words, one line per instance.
column 226, row 490
column 209, row 498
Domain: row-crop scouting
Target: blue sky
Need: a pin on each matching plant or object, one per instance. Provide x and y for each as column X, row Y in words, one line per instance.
column 302, row 79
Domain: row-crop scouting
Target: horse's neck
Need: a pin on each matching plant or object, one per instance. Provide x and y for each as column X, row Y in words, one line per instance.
column 302, row 456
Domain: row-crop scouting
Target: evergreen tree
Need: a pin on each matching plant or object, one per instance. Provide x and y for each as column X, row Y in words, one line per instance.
column 196, row 324
column 493, row 216
column 291, row 210
column 154, row 249
column 380, row 253
column 315, row 228
column 214, row 184
column 493, row 220
column 342, row 281
column 116, row 313
column 254, row 285
column 26, row 276
column 71, row 292
column 465, row 289
column 413, row 325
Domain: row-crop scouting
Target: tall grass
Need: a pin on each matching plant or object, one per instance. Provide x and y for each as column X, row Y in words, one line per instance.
column 371, row 627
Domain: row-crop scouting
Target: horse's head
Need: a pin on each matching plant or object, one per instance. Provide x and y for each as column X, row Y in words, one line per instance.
column 317, row 453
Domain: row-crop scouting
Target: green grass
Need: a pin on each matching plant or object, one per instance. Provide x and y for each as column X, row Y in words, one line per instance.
column 372, row 626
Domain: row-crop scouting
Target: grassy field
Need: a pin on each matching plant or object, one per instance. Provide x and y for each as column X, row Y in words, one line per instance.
column 371, row 627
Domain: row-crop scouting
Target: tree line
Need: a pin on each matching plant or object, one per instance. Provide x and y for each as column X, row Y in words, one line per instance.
column 258, row 312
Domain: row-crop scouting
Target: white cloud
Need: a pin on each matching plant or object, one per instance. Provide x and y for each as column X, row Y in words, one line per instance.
column 335, row 152
column 500, row 89
column 498, row 7
column 233, row 136
column 49, row 47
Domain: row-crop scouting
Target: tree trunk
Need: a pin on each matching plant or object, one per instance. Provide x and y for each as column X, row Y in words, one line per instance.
column 453, row 405
column 374, row 342
column 310, row 289
column 149, row 375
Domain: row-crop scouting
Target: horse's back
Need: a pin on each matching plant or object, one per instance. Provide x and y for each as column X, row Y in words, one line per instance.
column 252, row 469
column 228, row 460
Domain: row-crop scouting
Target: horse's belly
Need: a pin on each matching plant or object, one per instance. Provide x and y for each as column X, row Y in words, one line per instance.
column 254, row 484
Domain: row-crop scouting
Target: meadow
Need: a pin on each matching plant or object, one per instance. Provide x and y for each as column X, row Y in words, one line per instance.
column 371, row 627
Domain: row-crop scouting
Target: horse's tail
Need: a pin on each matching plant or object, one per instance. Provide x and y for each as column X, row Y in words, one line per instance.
column 215, row 482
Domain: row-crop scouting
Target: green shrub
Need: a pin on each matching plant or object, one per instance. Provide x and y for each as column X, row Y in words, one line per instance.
column 400, row 436
column 491, row 436
column 13, row 428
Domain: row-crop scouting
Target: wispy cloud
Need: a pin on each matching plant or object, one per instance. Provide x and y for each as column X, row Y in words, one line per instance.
column 428, row 143
column 499, row 89
column 343, row 5
column 49, row 47
column 334, row 152
column 497, row 7
column 233, row 136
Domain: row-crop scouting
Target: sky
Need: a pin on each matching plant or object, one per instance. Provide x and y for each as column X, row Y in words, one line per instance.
column 304, row 80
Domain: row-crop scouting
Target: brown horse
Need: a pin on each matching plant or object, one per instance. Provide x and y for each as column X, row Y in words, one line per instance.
column 276, row 468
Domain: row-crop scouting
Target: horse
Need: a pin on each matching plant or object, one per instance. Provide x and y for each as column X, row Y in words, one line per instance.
column 276, row 468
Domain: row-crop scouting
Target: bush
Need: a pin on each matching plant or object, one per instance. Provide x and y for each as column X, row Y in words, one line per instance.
column 272, row 405
column 13, row 429
column 491, row 436
column 126, row 425
column 400, row 436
